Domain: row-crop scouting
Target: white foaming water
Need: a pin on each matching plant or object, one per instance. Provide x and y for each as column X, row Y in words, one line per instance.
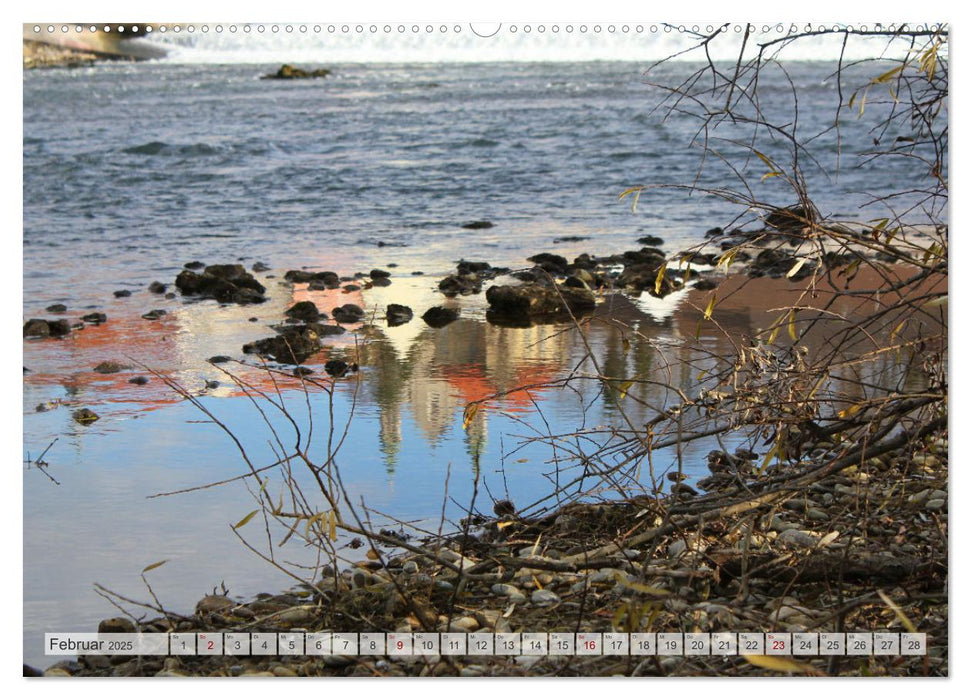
column 483, row 43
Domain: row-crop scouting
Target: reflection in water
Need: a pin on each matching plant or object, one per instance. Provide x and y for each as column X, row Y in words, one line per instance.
column 406, row 438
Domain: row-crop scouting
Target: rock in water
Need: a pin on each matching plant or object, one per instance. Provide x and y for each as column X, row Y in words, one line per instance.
column 651, row 240
column 293, row 346
column 533, row 301
column 477, row 225
column 57, row 308
column 398, row 314
column 157, row 288
column 84, row 416
column 288, row 72
column 224, row 283
column 550, row 262
column 303, row 311
column 338, row 367
column 110, row 367
column 348, row 313
column 439, row 316
column 41, row 328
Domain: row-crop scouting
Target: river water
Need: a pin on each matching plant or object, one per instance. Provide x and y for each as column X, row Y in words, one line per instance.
column 132, row 170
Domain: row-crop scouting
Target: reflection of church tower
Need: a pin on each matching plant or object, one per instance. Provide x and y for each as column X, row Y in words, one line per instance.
column 476, row 437
column 388, row 376
column 390, row 435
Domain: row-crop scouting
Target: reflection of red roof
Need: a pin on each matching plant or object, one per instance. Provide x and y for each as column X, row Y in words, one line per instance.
column 472, row 384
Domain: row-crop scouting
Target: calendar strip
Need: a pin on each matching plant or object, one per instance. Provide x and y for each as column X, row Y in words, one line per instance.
column 488, row 644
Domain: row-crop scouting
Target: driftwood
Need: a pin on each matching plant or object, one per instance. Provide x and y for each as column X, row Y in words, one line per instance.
column 817, row 567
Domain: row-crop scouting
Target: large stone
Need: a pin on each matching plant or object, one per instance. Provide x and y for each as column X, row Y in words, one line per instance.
column 534, row 301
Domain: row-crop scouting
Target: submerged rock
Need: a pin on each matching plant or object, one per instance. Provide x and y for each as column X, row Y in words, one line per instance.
column 157, row 287
column 57, row 308
column 139, row 380
column 119, row 293
column 650, row 240
column 96, row 318
column 477, row 225
column 84, row 416
column 338, row 367
column 532, row 301
column 439, row 316
column 154, row 314
column 288, row 72
column 110, row 367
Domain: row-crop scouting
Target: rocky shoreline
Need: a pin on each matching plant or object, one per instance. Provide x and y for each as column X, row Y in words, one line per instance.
column 862, row 548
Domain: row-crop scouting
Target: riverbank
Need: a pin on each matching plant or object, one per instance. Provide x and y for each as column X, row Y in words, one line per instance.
column 862, row 548
column 40, row 55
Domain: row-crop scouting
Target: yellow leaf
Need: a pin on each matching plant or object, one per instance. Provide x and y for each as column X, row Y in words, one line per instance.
column 795, row 268
column 851, row 411
column 660, row 278
column 887, row 76
column 940, row 301
column 154, row 566
column 768, row 457
column 765, row 159
column 771, row 173
column 245, row 520
column 333, row 526
column 904, row 620
column 470, row 411
column 727, row 258
column 781, row 664
column 625, row 387
column 792, row 325
column 711, row 306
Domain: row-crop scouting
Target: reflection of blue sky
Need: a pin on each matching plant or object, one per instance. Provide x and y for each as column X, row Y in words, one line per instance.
column 98, row 525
